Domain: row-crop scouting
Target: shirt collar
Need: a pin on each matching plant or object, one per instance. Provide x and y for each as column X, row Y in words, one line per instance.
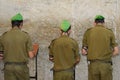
column 99, row 25
column 15, row 28
column 64, row 36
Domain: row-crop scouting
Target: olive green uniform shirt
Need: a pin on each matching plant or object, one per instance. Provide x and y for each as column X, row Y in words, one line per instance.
column 100, row 42
column 16, row 44
column 65, row 51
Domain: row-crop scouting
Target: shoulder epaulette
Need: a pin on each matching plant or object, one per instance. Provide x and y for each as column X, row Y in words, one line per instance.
column 25, row 32
column 53, row 40
column 109, row 29
column 89, row 29
column 72, row 39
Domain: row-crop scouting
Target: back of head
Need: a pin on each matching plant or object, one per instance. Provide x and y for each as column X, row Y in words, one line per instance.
column 65, row 26
column 99, row 19
column 17, row 20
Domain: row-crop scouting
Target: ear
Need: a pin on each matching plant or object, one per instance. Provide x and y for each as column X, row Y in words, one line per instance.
column 60, row 31
column 69, row 31
column 21, row 24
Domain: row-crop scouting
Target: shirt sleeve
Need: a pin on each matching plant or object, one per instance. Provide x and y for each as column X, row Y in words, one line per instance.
column 113, row 41
column 29, row 44
column 77, row 55
column 84, row 41
column 51, row 48
column 1, row 46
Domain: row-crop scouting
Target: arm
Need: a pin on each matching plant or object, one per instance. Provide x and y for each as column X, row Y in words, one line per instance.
column 114, row 45
column 34, row 52
column 31, row 49
column 77, row 55
column 77, row 60
column 84, row 44
column 31, row 54
column 84, row 51
column 1, row 50
column 51, row 57
column 1, row 55
column 115, row 51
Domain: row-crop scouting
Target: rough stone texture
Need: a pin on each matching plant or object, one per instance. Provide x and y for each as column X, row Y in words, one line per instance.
column 42, row 19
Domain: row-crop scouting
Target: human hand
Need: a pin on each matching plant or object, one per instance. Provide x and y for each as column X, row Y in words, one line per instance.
column 84, row 52
column 1, row 56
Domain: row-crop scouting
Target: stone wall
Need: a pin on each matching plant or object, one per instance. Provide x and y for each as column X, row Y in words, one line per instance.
column 42, row 19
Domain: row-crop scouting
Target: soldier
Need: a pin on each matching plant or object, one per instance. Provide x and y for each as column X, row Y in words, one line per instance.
column 99, row 45
column 64, row 53
column 16, row 47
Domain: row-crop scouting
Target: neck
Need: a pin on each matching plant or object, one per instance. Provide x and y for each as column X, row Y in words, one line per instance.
column 64, row 33
column 16, row 27
column 99, row 24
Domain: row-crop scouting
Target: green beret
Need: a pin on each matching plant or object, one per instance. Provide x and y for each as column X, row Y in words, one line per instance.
column 99, row 17
column 18, row 17
column 65, row 25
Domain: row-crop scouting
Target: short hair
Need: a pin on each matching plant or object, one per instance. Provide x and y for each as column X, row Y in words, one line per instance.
column 99, row 21
column 16, row 23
